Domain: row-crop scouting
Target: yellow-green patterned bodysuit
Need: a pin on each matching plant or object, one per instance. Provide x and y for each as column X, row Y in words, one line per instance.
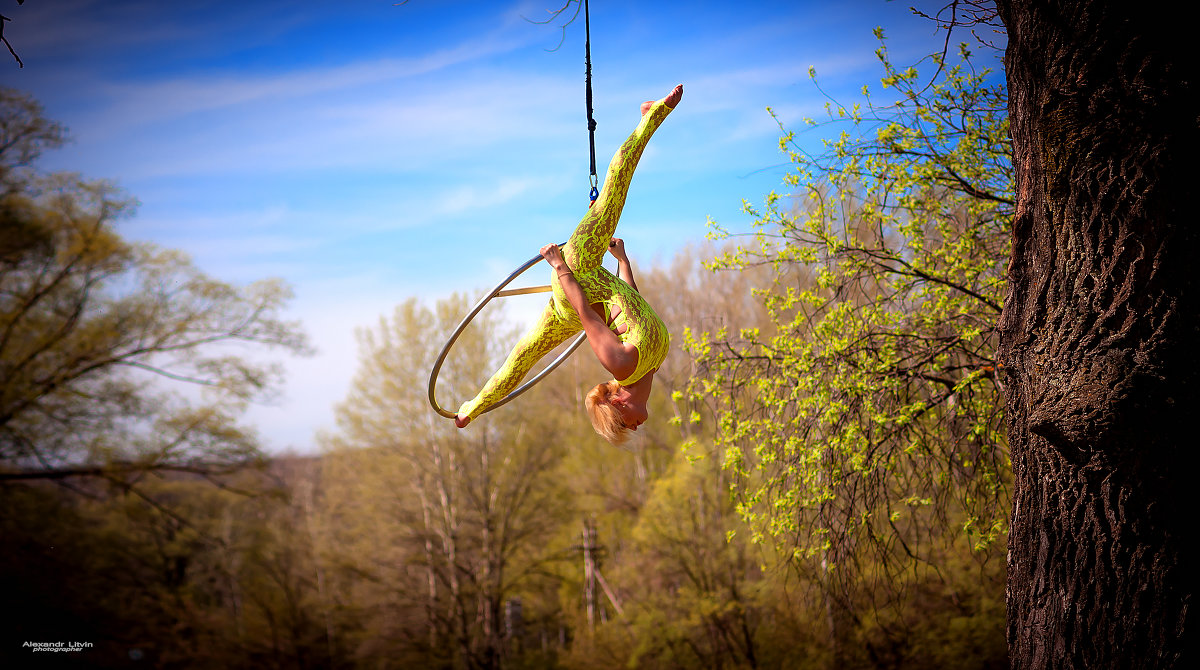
column 584, row 252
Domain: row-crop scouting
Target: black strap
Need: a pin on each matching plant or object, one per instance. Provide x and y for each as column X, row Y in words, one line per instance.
column 587, row 49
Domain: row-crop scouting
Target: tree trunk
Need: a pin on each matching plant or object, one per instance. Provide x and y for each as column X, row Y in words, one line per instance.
column 431, row 603
column 1099, row 334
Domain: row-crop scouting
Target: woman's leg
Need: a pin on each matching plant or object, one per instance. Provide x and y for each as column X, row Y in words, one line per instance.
column 585, row 250
column 549, row 332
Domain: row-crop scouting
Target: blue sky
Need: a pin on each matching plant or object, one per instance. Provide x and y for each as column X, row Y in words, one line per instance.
column 366, row 152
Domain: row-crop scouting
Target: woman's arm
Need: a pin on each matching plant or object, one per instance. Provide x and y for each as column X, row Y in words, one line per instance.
column 612, row 353
column 624, row 270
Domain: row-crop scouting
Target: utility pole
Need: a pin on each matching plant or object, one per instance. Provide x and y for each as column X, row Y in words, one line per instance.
column 589, row 572
column 592, row 577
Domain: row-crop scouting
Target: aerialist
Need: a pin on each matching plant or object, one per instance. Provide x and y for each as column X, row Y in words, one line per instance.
column 628, row 338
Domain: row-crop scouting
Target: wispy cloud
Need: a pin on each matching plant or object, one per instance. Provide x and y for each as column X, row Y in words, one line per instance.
column 406, row 126
column 474, row 197
column 137, row 104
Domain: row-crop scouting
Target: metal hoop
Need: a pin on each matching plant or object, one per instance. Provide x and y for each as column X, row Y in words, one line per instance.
column 497, row 292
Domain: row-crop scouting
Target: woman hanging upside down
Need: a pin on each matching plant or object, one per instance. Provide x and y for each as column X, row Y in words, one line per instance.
column 624, row 332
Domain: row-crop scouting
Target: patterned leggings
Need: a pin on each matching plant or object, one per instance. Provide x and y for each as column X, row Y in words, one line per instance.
column 584, row 253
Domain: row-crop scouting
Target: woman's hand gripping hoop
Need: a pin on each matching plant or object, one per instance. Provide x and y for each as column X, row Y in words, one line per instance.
column 498, row 292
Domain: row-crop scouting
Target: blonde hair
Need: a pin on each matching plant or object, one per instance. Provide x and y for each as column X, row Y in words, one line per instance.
column 606, row 419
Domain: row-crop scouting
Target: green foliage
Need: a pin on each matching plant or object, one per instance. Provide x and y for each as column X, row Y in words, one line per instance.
column 25, row 133
column 400, row 544
column 869, row 407
column 442, row 527
column 704, row 597
column 98, row 335
column 151, row 571
column 697, row 593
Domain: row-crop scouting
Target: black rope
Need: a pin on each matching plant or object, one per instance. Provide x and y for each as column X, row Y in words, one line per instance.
column 587, row 49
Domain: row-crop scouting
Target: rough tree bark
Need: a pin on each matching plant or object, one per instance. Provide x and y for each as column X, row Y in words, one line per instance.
column 1099, row 334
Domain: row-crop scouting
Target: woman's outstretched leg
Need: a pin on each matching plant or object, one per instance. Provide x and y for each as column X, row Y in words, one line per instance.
column 585, row 250
column 549, row 332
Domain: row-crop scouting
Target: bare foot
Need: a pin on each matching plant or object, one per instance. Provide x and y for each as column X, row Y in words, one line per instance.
column 672, row 99
column 461, row 421
column 675, row 96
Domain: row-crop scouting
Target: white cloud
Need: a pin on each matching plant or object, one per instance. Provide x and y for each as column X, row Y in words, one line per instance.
column 466, row 198
column 497, row 118
column 141, row 103
column 330, row 310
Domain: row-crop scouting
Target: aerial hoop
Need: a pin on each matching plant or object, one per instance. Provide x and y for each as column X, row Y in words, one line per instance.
column 499, row 292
